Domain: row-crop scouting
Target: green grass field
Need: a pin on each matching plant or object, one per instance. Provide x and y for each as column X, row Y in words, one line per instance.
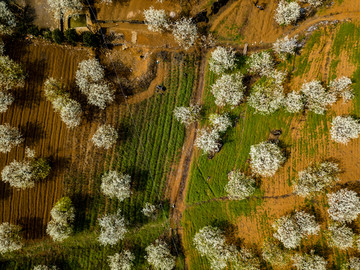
column 153, row 139
column 206, row 198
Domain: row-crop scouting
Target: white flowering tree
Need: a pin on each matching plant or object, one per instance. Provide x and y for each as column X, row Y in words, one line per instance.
column 112, row 229
column 274, row 254
column 116, row 185
column 11, row 73
column 69, row 109
column 187, row 115
column 60, row 226
column 222, row 59
column 10, row 239
column 344, row 205
column 185, row 32
column 260, row 63
column 314, row 3
column 352, row 264
column 26, row 173
column 344, row 128
column 156, row 19
column 291, row 229
column 121, row 261
column 45, row 267
column 220, row 122
column 316, row 178
column 294, row 102
column 90, row 78
column 287, row 13
column 266, row 98
column 341, row 87
column 9, row 138
column 62, row 7
column 266, row 158
column 105, row 136
column 239, row 186
column 341, row 236
column 317, row 99
column 309, row 262
column 159, row 257
column 6, row 99
column 285, row 46
column 2, row 47
column 208, row 141
column 210, row 242
column 149, row 210
column 7, row 19
column 245, row 260
column 228, row 90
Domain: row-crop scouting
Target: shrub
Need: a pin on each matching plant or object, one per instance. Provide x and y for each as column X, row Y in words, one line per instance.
column 266, row 158
column 11, row 73
column 287, row 13
column 149, row 210
column 121, row 261
column 291, row 229
column 239, row 186
column 341, row 236
column 58, row 36
column 34, row 30
column 105, row 136
column 71, row 36
column 344, row 128
column 116, row 185
column 344, row 205
column 228, row 90
column 10, row 239
column 91, row 40
column 316, row 178
column 187, row 115
column 222, row 59
column 113, row 229
column 9, row 138
column 155, row 19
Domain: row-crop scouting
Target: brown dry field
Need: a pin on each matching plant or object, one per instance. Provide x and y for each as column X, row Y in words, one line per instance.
column 70, row 150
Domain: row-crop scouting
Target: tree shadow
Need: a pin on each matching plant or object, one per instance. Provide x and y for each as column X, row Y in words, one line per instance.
column 81, row 202
column 140, row 178
column 230, row 231
column 33, row 227
column 125, row 130
column 59, row 165
column 5, row 190
column 32, row 132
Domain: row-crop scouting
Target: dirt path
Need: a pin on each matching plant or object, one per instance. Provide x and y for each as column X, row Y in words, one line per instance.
column 178, row 183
